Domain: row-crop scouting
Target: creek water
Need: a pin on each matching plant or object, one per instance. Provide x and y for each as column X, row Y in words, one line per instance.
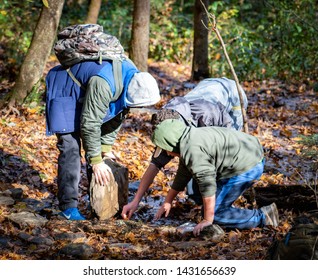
column 150, row 204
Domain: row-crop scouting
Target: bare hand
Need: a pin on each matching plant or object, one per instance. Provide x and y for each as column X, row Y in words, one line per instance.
column 128, row 210
column 200, row 226
column 102, row 173
column 164, row 209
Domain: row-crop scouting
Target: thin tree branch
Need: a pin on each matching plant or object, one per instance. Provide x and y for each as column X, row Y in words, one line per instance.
column 212, row 24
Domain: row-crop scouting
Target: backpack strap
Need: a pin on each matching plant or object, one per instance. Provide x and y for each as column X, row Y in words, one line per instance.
column 69, row 72
column 118, row 78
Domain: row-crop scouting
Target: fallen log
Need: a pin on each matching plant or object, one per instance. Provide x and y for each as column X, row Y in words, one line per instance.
column 296, row 197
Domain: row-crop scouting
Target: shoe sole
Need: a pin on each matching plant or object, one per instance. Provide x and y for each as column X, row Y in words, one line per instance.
column 273, row 222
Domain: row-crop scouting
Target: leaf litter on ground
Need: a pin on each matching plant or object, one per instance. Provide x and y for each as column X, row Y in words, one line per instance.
column 277, row 114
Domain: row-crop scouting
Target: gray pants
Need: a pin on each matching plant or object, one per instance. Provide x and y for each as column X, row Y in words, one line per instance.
column 69, row 169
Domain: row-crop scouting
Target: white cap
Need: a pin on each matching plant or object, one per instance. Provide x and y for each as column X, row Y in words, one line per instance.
column 142, row 90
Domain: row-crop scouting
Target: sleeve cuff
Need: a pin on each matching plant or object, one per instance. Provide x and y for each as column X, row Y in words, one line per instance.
column 106, row 148
column 96, row 160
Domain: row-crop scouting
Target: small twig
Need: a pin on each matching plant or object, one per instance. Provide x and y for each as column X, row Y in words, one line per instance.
column 212, row 21
column 307, row 184
column 314, row 249
column 10, row 110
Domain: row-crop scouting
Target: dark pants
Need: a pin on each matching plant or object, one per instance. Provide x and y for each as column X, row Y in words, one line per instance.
column 69, row 169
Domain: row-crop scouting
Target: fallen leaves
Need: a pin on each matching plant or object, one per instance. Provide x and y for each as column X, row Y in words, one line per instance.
column 277, row 115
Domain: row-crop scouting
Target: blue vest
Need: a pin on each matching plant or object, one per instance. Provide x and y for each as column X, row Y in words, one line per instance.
column 64, row 98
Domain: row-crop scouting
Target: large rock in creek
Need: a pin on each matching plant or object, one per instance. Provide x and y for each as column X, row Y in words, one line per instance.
column 107, row 200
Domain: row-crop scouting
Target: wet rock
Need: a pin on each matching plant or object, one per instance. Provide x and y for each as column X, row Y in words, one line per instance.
column 77, row 251
column 14, row 193
column 69, row 236
column 6, row 200
column 27, row 219
column 118, row 247
column 213, row 232
column 17, row 193
column 5, row 242
column 190, row 244
column 121, row 245
column 107, row 200
column 37, row 205
column 185, row 228
column 39, row 240
column 129, row 223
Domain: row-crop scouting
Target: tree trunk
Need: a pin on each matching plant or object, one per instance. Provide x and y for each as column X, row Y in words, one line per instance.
column 200, row 62
column 33, row 65
column 140, row 34
column 93, row 11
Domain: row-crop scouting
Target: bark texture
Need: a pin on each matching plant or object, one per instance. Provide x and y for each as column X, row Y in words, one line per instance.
column 140, row 34
column 200, row 62
column 93, row 11
column 33, row 65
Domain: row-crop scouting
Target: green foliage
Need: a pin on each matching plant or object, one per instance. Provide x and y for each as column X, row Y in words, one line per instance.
column 291, row 37
column 267, row 38
column 310, row 148
column 171, row 31
column 116, row 18
column 310, row 141
column 264, row 39
column 17, row 22
column 73, row 13
column 35, row 96
column 45, row 3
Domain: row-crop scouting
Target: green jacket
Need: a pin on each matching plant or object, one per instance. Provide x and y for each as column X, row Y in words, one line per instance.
column 207, row 154
column 98, row 137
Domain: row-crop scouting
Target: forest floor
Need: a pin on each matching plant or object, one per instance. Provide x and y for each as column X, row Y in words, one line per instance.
column 278, row 113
